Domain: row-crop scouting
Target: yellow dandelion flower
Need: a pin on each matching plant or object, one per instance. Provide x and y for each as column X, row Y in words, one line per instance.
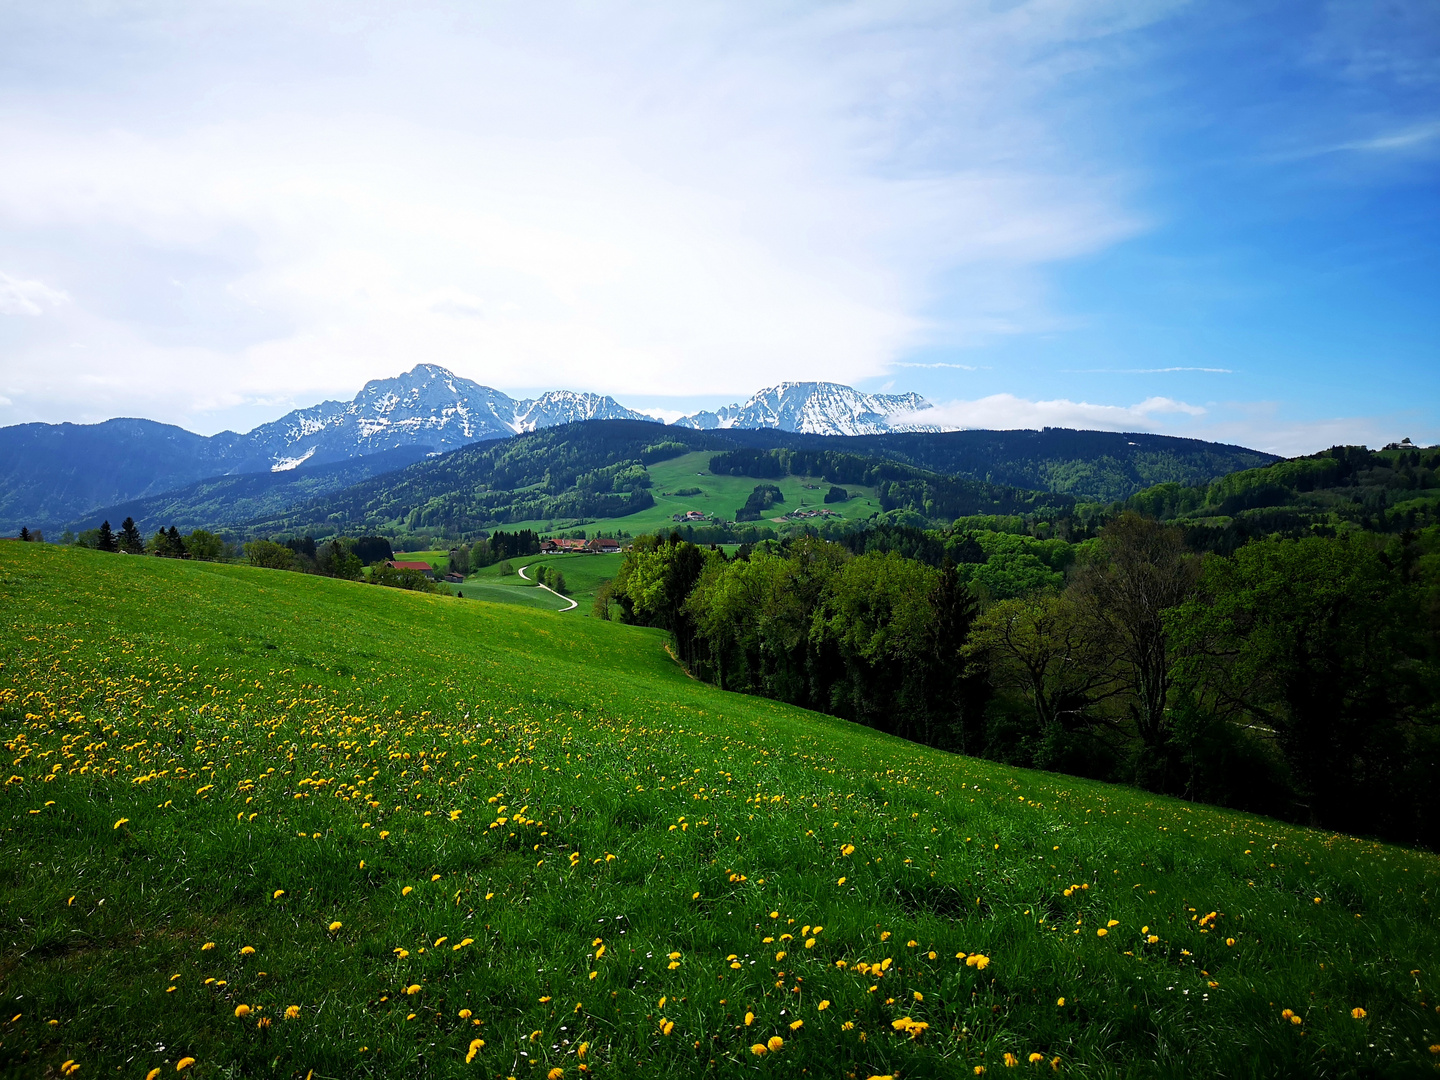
column 384, row 833
column 207, row 946
column 823, row 1006
column 759, row 1050
column 1152, row 939
column 775, row 1042
column 1036, row 1058
column 122, row 821
column 434, row 877
column 919, row 996
column 979, row 1070
column 667, row 1026
column 695, row 896
column 582, row 1050
column 796, row 1025
column 1358, row 1013
column 555, row 1073
column 1230, row 941
column 884, row 935
column 407, row 890
column 476, row 1045
column 153, row 1073
column 1113, row 922
column 1101, row 932
column 544, row 999
column 242, row 1011
column 749, row 1018
column 1011, row 1060
column 465, row 1014
column 247, row 950
column 780, row 955
column 335, row 925
column 277, row 894
column 412, row 989
column 1060, row 1002
column 840, row 882
column 292, row 1012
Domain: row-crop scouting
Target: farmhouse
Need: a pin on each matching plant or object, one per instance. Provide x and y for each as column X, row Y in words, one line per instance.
column 423, row 567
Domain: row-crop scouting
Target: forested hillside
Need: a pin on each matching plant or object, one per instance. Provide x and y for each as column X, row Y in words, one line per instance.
column 1296, row 677
column 599, row 470
column 1090, row 465
column 1345, row 487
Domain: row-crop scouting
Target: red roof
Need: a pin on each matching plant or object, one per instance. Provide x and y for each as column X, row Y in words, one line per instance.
column 414, row 566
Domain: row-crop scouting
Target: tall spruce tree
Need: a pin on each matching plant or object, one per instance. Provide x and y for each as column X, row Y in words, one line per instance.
column 106, row 540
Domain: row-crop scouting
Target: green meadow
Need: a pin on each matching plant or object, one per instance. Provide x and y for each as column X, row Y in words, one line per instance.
column 719, row 497
column 258, row 823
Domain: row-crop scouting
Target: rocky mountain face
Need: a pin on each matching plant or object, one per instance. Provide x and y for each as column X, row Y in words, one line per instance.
column 426, row 406
column 817, row 408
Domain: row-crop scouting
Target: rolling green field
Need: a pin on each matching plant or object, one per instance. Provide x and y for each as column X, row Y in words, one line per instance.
column 584, row 574
column 721, row 496
column 270, row 824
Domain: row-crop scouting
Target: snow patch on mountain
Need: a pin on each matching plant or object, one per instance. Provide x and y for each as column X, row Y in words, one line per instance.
column 819, row 408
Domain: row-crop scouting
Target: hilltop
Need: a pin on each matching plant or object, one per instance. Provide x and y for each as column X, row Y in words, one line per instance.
column 275, row 823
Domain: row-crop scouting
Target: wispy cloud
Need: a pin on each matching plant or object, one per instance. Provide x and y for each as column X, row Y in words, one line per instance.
column 24, row 297
column 949, row 367
column 1145, row 371
column 1005, row 411
column 293, row 199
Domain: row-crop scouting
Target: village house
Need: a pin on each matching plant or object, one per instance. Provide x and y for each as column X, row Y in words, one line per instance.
column 423, row 567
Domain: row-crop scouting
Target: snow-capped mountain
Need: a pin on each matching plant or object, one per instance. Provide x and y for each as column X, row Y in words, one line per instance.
column 426, row 406
column 817, row 408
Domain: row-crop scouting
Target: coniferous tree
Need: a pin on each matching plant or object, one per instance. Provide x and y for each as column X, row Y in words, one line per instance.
column 130, row 538
column 106, row 540
column 24, row 534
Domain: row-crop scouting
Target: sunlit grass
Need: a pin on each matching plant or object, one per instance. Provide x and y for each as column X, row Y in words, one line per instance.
column 433, row 821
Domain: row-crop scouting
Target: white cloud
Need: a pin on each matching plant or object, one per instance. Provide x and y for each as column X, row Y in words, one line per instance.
column 1006, row 411
column 266, row 199
column 20, row 297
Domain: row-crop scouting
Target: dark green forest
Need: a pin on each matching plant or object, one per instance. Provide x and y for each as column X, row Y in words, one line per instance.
column 1297, row 677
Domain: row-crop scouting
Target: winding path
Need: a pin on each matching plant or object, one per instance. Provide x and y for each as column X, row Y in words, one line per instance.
column 573, row 603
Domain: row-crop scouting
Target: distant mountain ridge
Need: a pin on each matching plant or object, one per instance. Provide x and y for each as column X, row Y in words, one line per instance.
column 816, row 408
column 53, row 475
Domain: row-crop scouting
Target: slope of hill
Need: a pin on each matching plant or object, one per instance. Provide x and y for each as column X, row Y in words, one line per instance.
column 463, row 840
column 225, row 502
column 1090, row 465
column 595, row 470
column 1345, row 487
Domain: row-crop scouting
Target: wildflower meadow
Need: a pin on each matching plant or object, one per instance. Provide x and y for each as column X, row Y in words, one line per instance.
column 274, row 825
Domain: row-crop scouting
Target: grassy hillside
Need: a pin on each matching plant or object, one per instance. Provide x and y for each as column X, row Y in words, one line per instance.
column 276, row 823
column 721, row 496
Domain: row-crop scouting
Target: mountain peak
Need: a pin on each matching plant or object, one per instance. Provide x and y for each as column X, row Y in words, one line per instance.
column 816, row 408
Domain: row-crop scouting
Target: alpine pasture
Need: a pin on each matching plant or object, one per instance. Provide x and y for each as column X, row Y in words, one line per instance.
column 259, row 823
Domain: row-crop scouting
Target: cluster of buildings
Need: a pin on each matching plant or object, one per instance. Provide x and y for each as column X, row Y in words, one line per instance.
column 600, row 545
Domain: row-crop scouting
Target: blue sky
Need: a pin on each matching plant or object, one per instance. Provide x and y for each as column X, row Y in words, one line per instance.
column 1214, row 219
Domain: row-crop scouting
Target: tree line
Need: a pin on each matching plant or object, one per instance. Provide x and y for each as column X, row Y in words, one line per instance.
column 1294, row 677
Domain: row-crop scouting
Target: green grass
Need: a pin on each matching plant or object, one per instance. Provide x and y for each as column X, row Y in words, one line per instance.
column 722, row 496
column 532, row 783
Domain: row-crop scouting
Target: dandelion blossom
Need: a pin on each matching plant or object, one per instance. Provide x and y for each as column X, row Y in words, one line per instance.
column 407, row 890
column 122, row 821
column 749, row 1018
column 759, row 1050
column 292, row 1012
column 335, row 925
column 1358, row 1013
column 412, row 989
column 823, row 1006
column 247, row 950
column 1036, row 1057
column 476, row 1045
column 1011, row 1060
column 775, row 1042
column 277, row 894
column 465, row 1014
column 242, row 1011
column 207, row 946
column 555, row 1073
column 1060, row 1002
column 1101, row 932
